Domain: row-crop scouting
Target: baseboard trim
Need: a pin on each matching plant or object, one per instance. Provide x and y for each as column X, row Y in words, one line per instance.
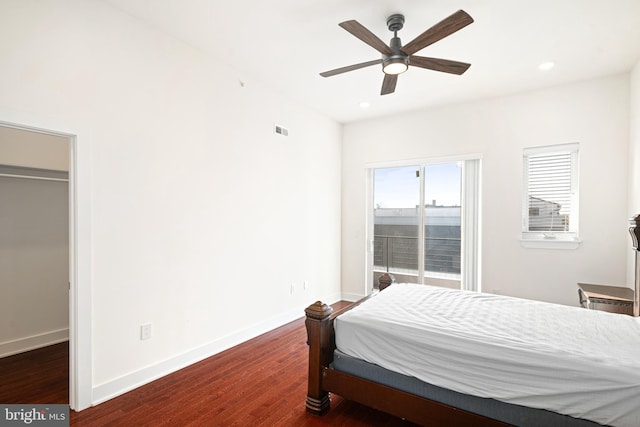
column 33, row 342
column 351, row 297
column 108, row 390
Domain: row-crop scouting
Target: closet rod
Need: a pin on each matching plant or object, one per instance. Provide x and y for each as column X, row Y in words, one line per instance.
column 42, row 178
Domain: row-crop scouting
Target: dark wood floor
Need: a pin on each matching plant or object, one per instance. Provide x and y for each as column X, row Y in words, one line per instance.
column 261, row 382
column 37, row 376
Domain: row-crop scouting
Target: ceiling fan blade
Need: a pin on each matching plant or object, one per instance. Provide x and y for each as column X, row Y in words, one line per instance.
column 389, row 84
column 350, row 68
column 358, row 30
column 437, row 64
column 442, row 29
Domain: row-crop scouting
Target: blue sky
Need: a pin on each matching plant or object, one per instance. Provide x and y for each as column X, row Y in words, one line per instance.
column 399, row 187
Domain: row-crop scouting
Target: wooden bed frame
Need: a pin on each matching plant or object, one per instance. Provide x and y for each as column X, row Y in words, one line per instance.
column 323, row 379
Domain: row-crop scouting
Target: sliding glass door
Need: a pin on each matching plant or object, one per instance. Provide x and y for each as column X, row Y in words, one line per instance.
column 423, row 225
column 396, row 224
column 442, row 225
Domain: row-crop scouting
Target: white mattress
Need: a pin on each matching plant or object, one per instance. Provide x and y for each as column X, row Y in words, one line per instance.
column 570, row 360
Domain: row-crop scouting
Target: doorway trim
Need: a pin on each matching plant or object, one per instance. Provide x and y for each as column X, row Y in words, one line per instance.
column 80, row 366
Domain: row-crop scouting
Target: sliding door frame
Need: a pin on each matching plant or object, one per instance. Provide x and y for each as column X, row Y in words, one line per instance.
column 469, row 221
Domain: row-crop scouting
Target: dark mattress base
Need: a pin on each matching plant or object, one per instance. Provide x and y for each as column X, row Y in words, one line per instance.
column 512, row 414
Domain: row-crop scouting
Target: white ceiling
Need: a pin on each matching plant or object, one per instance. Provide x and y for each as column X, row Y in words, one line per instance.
column 286, row 43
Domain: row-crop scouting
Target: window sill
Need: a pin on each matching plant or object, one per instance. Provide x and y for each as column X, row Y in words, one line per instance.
column 550, row 243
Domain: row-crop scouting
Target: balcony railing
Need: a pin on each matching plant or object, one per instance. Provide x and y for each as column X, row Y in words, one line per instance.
column 400, row 254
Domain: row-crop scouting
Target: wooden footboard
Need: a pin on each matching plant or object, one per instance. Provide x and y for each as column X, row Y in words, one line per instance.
column 323, row 380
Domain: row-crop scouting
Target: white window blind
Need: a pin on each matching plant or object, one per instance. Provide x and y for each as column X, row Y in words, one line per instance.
column 550, row 207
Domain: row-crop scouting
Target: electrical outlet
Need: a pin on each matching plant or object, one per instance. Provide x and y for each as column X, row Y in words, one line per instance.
column 293, row 288
column 145, row 331
column 306, row 285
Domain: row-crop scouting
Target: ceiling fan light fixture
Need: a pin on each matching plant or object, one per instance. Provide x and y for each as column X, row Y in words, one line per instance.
column 395, row 65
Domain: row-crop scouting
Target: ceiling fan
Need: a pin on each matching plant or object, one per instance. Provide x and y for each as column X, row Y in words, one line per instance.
column 397, row 58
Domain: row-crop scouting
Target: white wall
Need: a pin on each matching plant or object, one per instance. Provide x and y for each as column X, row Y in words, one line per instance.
column 34, row 243
column 198, row 217
column 634, row 158
column 34, row 261
column 593, row 113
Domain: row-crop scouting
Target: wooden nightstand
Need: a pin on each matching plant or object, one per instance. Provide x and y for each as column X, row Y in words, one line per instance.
column 614, row 299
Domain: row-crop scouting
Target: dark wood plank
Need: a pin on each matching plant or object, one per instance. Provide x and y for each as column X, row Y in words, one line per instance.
column 36, row 376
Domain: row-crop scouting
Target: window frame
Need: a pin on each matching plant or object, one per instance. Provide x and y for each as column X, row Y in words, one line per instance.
column 552, row 239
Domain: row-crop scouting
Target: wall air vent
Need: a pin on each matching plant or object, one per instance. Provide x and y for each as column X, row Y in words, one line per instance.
column 280, row 130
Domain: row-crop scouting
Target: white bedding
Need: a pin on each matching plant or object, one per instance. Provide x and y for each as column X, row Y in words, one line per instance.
column 570, row 360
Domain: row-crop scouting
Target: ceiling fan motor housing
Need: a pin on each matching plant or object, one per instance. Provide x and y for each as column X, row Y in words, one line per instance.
column 398, row 61
column 395, row 44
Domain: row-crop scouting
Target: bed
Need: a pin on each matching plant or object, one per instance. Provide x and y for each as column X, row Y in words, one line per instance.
column 526, row 363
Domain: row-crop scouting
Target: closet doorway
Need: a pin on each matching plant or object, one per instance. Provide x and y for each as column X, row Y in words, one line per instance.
column 34, row 246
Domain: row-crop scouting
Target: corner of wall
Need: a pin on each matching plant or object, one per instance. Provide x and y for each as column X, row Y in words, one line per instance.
column 634, row 156
column 634, row 138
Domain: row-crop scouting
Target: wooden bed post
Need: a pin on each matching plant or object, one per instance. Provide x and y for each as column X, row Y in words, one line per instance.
column 318, row 325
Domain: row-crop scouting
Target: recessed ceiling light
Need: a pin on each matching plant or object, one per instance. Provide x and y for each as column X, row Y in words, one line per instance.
column 365, row 104
column 545, row 66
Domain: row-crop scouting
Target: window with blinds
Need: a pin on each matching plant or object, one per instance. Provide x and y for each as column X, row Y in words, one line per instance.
column 550, row 205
